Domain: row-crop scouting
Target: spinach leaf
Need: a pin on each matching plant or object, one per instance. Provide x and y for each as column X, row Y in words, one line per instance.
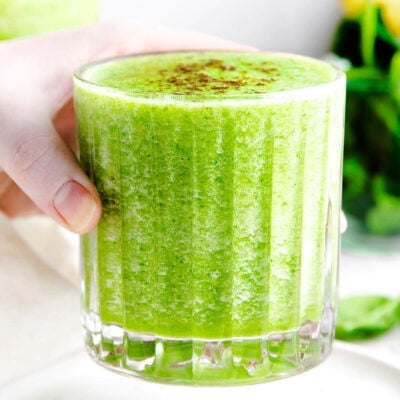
column 363, row 317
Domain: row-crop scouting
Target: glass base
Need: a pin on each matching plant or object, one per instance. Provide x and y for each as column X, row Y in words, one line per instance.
column 224, row 362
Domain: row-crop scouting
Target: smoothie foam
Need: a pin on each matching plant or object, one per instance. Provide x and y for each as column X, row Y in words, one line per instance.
column 219, row 175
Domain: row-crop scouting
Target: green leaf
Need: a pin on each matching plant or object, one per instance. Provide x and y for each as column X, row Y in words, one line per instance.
column 385, row 46
column 381, row 193
column 366, row 79
column 386, row 109
column 384, row 219
column 394, row 78
column 383, row 34
column 369, row 20
column 363, row 317
column 355, row 177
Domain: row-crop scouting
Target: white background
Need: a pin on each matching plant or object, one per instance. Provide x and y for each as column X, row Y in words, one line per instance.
column 299, row 26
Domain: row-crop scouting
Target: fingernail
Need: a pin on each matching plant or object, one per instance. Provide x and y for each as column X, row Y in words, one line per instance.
column 76, row 205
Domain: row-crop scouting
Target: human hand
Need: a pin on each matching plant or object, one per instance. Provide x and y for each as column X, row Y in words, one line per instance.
column 38, row 168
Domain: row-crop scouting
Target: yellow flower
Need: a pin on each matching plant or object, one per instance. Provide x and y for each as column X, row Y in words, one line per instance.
column 390, row 12
column 353, row 7
column 391, row 15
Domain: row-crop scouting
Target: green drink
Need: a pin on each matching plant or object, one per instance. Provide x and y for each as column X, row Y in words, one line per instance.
column 215, row 259
column 28, row 17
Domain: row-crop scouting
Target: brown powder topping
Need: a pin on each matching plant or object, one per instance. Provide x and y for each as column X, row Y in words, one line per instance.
column 216, row 75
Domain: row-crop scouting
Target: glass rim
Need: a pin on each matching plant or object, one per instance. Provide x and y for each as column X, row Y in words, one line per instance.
column 306, row 91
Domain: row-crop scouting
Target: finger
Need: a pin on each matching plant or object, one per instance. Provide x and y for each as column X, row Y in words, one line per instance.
column 64, row 123
column 161, row 38
column 13, row 201
column 70, row 49
column 36, row 158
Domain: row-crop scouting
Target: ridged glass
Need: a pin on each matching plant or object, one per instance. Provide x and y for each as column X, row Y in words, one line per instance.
column 215, row 261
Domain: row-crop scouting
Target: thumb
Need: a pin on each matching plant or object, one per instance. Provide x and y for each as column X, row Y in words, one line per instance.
column 38, row 161
column 31, row 151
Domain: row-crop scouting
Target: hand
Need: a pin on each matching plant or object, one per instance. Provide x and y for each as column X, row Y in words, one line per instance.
column 38, row 169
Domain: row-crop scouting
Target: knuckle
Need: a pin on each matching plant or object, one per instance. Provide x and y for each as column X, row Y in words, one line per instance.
column 31, row 157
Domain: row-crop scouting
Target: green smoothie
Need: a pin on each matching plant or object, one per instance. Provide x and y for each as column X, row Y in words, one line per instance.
column 28, row 17
column 219, row 173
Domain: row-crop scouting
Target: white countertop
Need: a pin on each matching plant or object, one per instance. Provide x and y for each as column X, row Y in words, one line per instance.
column 39, row 297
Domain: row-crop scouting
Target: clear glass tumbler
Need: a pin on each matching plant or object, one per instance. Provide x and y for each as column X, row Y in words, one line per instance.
column 215, row 261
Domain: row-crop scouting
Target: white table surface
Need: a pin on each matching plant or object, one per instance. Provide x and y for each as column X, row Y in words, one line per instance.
column 39, row 297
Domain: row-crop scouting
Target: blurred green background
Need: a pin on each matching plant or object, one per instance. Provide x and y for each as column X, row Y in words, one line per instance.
column 367, row 40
